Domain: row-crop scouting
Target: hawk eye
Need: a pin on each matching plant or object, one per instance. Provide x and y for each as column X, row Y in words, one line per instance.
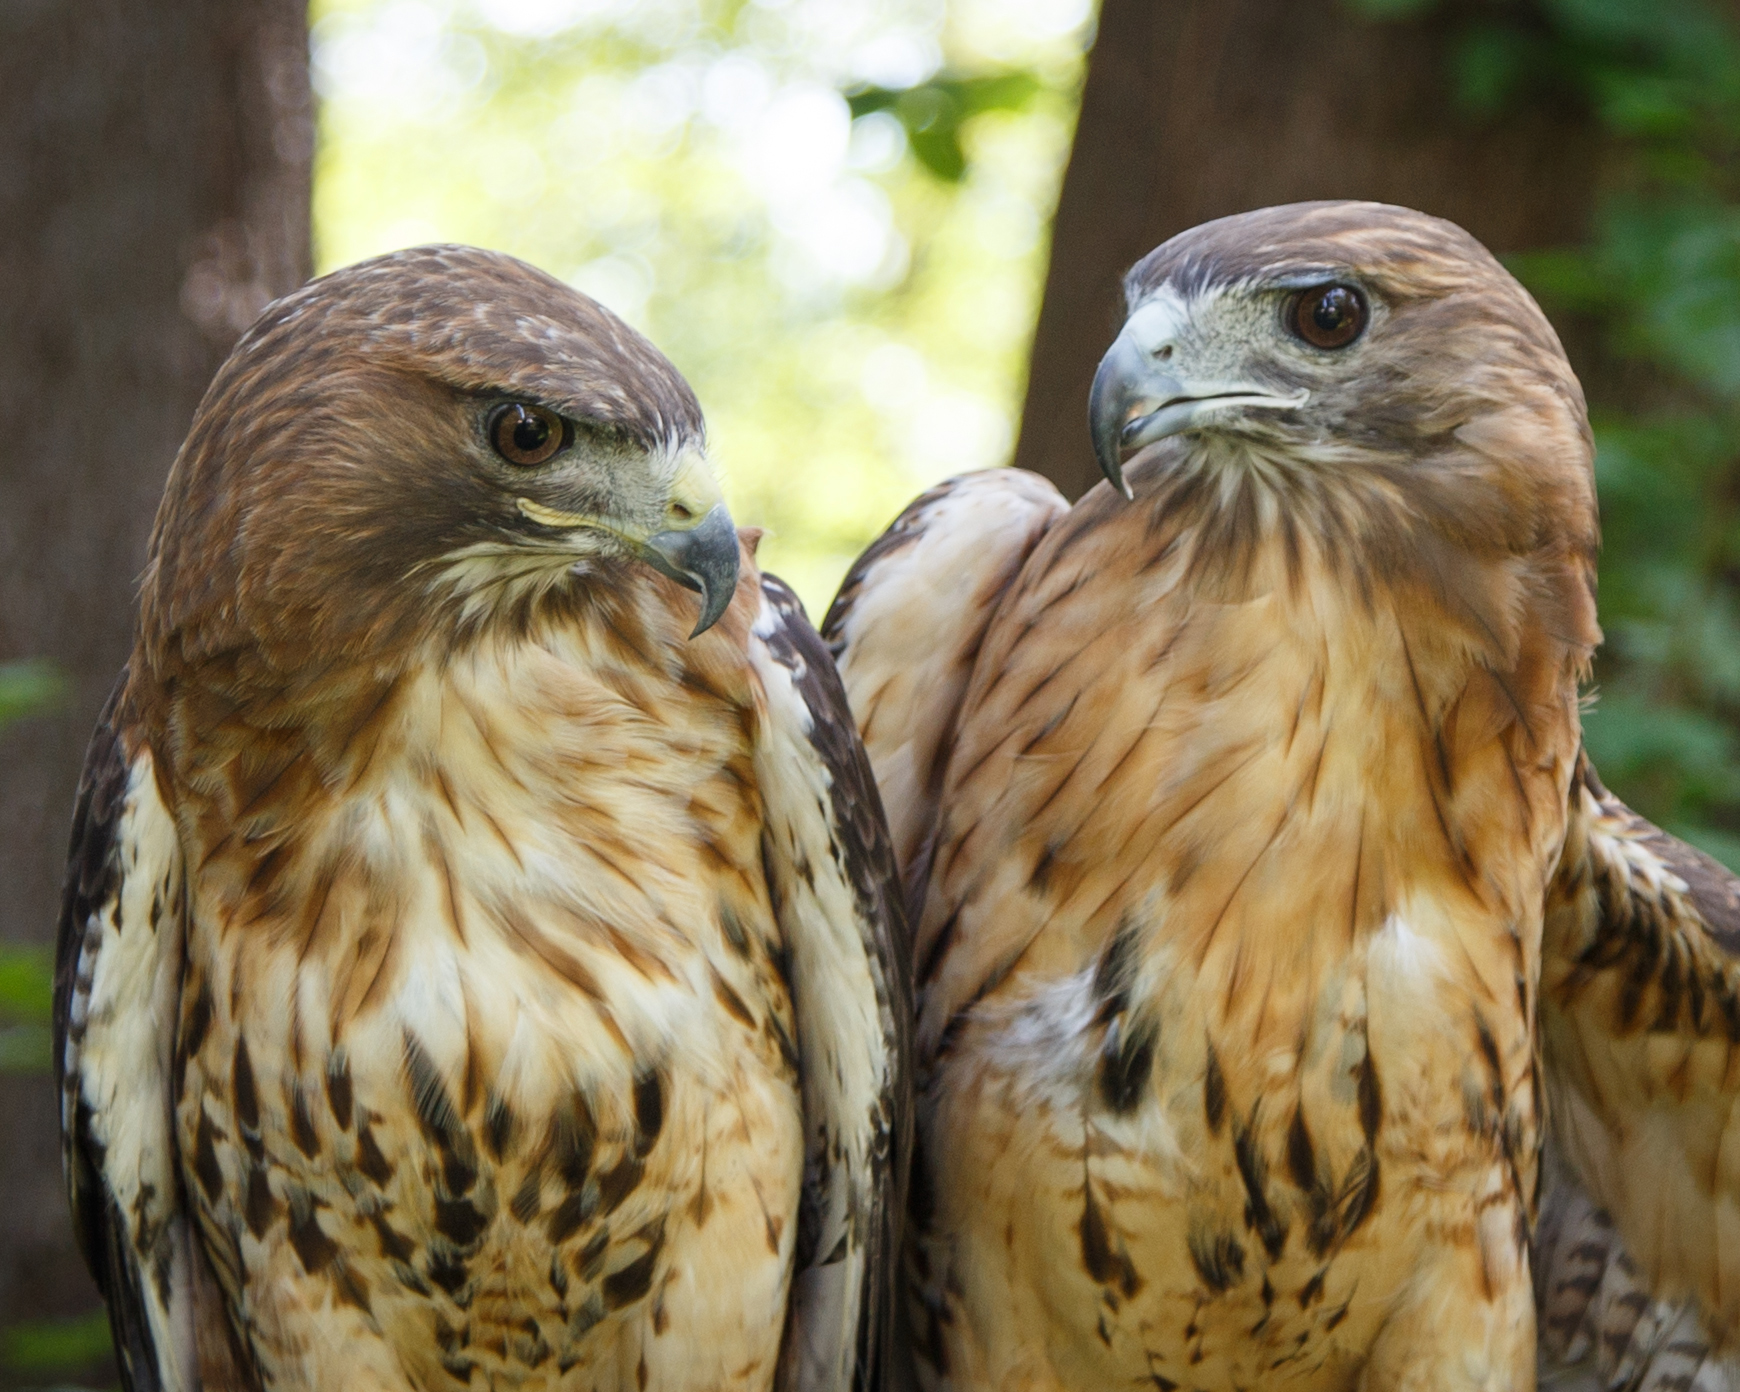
column 1329, row 316
column 524, row 434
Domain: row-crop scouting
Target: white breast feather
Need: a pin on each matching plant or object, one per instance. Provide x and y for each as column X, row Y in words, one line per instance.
column 122, row 1061
column 840, row 1037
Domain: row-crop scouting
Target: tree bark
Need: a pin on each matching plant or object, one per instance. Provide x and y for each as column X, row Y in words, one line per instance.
column 1195, row 109
column 154, row 196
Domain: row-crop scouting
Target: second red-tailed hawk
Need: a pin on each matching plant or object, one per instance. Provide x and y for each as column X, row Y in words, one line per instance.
column 480, row 964
column 1254, row 863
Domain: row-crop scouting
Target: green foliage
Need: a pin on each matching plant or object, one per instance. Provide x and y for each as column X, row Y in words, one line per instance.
column 933, row 113
column 29, row 687
column 26, row 1046
column 26, row 1001
column 1659, row 274
column 42, row 1346
column 26, row 982
column 26, row 973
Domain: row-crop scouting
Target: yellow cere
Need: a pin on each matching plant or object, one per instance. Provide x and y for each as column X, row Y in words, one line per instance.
column 695, row 487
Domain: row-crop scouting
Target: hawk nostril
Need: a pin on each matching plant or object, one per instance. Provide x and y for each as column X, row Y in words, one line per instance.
column 1161, row 355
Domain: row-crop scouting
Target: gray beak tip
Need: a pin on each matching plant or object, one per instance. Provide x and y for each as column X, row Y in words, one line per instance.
column 1106, row 405
column 712, row 610
column 703, row 558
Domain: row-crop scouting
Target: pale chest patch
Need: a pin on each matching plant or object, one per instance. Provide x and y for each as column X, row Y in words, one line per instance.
column 1234, row 1047
column 497, row 1071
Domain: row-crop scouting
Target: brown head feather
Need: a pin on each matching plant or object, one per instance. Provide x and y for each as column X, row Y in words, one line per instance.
column 338, row 449
column 1450, row 450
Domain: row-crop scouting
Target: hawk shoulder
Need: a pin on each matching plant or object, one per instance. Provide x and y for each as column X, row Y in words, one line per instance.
column 906, row 628
column 831, row 871
column 117, row 973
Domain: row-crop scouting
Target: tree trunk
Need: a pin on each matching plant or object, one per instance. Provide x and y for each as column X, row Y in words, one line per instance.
column 1194, row 109
column 154, row 196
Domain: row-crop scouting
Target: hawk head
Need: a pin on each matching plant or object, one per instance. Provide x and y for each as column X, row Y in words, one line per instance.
column 1331, row 334
column 428, row 443
column 1368, row 384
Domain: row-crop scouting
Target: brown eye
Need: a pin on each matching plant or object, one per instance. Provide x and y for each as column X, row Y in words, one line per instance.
column 527, row 435
column 1329, row 316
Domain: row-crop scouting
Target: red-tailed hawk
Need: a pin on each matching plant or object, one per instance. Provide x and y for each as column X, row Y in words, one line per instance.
column 1232, row 814
column 480, row 964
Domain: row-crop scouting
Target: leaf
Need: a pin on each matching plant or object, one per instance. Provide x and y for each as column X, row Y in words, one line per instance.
column 29, row 687
column 933, row 112
column 939, row 150
column 41, row 1346
column 1564, row 277
column 1489, row 65
column 26, row 982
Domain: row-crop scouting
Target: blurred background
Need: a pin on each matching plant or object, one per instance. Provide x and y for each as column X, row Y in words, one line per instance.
column 883, row 239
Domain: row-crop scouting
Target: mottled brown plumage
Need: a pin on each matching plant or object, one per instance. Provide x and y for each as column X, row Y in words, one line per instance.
column 476, row 982
column 1230, row 908
column 1640, row 1012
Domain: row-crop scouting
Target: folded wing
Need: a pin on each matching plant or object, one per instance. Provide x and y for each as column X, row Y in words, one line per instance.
column 832, row 874
column 117, row 984
column 1638, row 1250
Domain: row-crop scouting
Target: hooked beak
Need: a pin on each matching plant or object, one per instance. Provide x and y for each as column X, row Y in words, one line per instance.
column 1141, row 393
column 703, row 557
column 698, row 547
